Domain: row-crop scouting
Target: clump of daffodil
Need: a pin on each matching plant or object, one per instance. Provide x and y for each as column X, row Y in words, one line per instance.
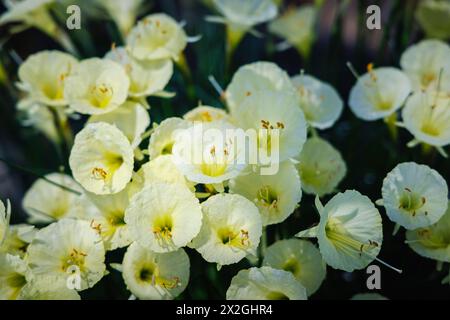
column 231, row 229
column 242, row 16
column 319, row 101
column 96, row 86
column 414, row 195
column 124, row 13
column 253, row 78
column 434, row 18
column 46, row 202
column 164, row 217
column 205, row 153
column 320, row 166
column 155, row 276
column 379, row 93
column 206, row 114
column 65, row 248
column 17, row 240
column 13, row 276
column 102, row 159
column 163, row 136
column 296, row 25
column 43, row 76
column 368, row 296
column 265, row 283
column 433, row 241
column 299, row 257
column 157, row 36
column 5, row 215
column 427, row 117
column 279, row 123
column 350, row 231
column 109, row 219
column 161, row 169
column 131, row 118
column 427, row 65
column 147, row 77
column 276, row 196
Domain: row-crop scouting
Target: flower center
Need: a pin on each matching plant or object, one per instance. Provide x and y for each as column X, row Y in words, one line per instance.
column 268, row 197
column 268, row 136
column 75, row 258
column 411, row 201
column 228, row 236
column 291, row 265
column 100, row 96
column 162, row 228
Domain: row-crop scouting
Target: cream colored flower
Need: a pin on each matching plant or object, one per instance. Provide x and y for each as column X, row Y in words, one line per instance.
column 109, row 220
column 414, row 195
column 320, row 166
column 427, row 116
column 208, row 153
column 434, row 241
column 276, row 196
column 5, row 215
column 253, row 78
column 96, row 86
column 265, row 283
column 319, row 101
column 124, row 13
column 278, row 122
column 155, row 276
column 43, row 76
column 164, row 217
column 206, row 114
column 131, row 118
column 67, row 248
column 424, row 61
column 102, row 159
column 350, row 231
column 157, row 36
column 297, row 27
column 434, row 17
column 45, row 202
column 17, row 240
column 162, row 139
column 246, row 14
column 13, row 276
column 147, row 77
column 379, row 93
column 299, row 257
column 231, row 229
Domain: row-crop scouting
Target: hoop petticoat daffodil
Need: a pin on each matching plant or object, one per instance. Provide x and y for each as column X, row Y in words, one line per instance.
column 43, row 76
column 231, row 229
column 156, row 36
column 102, row 159
column 299, row 257
column 163, row 137
column 164, row 216
column 81, row 249
column 96, row 86
column 276, row 196
column 414, row 195
column 155, row 276
column 350, row 231
column 265, row 283
column 13, row 276
column 427, row 65
column 379, row 93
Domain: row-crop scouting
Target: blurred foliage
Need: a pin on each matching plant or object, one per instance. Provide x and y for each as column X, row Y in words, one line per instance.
column 367, row 147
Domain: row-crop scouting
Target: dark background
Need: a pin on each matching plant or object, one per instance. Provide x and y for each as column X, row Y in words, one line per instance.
column 367, row 147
